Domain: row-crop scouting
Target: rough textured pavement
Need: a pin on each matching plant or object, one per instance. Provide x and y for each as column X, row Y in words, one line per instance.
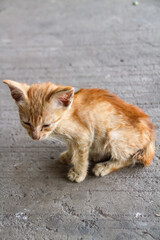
column 88, row 43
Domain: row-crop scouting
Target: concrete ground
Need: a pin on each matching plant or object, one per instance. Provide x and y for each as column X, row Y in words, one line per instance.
column 87, row 43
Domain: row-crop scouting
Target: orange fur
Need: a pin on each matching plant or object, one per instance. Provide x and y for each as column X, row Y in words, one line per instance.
column 93, row 122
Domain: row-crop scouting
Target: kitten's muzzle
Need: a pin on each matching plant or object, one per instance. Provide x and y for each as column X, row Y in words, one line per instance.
column 35, row 136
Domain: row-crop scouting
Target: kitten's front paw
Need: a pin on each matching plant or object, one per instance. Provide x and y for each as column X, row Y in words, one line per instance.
column 75, row 177
column 64, row 158
column 100, row 170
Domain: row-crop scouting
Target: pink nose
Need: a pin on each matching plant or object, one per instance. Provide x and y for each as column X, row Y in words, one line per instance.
column 35, row 137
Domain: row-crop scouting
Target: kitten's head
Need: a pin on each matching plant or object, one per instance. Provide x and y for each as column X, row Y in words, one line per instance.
column 41, row 106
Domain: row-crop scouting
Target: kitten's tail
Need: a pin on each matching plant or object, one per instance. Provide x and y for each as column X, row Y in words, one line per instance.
column 145, row 156
column 148, row 154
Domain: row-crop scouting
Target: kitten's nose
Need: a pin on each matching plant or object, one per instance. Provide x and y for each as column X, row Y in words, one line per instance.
column 35, row 136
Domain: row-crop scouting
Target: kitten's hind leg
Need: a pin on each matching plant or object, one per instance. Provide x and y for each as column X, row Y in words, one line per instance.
column 104, row 168
column 65, row 157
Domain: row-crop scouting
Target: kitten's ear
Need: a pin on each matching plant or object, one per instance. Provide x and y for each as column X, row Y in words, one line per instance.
column 62, row 97
column 18, row 91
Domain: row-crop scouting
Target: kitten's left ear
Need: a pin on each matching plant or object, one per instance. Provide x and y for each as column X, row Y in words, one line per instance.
column 62, row 97
column 18, row 91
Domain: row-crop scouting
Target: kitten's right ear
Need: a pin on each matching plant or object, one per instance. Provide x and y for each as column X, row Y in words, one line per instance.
column 62, row 96
column 18, row 91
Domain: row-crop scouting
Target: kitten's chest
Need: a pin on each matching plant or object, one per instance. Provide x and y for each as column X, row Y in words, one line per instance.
column 60, row 136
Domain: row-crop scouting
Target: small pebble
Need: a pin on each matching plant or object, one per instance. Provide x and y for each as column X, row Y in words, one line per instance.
column 17, row 166
column 135, row 3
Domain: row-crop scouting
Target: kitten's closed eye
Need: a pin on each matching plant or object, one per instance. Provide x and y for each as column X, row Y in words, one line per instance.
column 27, row 123
column 46, row 125
column 43, row 126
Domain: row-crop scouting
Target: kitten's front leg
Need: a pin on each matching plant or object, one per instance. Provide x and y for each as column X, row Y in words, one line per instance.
column 80, row 162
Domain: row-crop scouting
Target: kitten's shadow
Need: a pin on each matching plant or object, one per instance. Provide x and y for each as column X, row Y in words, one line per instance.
column 48, row 179
column 55, row 172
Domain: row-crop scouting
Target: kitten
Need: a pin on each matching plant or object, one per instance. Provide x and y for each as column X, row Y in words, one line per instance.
column 93, row 122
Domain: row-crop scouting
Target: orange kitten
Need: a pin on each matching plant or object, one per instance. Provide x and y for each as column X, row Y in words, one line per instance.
column 93, row 122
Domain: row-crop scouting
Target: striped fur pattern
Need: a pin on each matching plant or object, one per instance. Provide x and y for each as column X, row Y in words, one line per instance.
column 93, row 122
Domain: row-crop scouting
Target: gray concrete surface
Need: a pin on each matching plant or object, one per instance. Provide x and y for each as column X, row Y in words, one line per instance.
column 88, row 43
